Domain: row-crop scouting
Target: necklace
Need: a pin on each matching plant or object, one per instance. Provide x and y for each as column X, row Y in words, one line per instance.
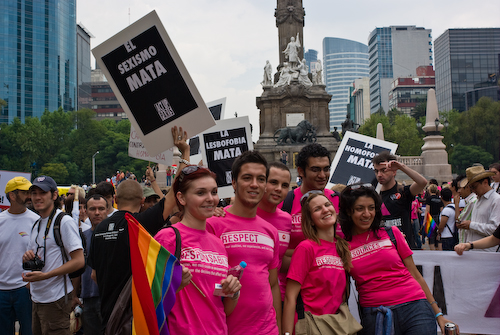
column 366, row 241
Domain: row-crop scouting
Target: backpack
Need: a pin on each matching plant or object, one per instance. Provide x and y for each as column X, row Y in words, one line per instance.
column 59, row 242
column 455, row 233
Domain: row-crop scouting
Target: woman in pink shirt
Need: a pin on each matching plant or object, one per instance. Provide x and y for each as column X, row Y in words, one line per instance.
column 388, row 282
column 317, row 265
column 203, row 257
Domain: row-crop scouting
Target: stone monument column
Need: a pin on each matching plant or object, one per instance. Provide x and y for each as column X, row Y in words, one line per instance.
column 434, row 151
column 290, row 22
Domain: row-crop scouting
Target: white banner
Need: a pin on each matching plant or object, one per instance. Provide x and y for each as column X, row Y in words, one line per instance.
column 466, row 287
column 136, row 149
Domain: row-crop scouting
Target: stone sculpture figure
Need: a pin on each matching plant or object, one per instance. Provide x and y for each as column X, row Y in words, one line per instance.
column 301, row 133
column 303, row 74
column 318, row 74
column 268, row 71
column 349, row 125
column 286, row 75
column 292, row 50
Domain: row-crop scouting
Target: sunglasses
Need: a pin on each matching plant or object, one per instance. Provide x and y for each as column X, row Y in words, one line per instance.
column 188, row 170
column 306, row 196
column 356, row 186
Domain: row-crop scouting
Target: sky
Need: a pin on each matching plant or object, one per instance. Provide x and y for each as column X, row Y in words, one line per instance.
column 224, row 44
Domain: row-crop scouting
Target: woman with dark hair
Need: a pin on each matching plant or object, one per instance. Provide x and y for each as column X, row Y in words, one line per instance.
column 386, row 277
column 317, row 269
column 203, row 257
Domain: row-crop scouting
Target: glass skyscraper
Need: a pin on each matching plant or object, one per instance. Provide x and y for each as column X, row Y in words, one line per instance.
column 466, row 61
column 37, row 57
column 311, row 56
column 394, row 52
column 343, row 62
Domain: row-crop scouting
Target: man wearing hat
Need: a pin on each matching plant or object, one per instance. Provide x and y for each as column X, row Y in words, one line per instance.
column 150, row 198
column 486, row 212
column 51, row 288
column 15, row 225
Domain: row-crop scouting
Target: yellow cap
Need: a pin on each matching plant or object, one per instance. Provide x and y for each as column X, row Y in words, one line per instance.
column 17, row 183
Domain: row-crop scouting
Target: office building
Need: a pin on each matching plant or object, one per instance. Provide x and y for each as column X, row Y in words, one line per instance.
column 83, row 72
column 360, row 100
column 37, row 57
column 406, row 93
column 104, row 101
column 343, row 62
column 394, row 52
column 466, row 58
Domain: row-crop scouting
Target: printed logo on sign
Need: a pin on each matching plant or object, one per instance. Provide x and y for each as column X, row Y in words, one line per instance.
column 229, row 177
column 164, row 110
column 353, row 180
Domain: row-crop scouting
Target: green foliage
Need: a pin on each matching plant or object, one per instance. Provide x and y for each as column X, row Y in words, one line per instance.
column 57, row 171
column 464, row 156
column 419, row 111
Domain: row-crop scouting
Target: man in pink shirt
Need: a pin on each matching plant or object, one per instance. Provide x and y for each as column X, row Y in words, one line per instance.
column 278, row 184
column 250, row 238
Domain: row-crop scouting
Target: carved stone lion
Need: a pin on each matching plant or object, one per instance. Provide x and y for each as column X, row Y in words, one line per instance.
column 303, row 132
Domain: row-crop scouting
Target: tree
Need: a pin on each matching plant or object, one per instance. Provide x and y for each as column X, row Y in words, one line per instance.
column 392, row 113
column 57, row 171
column 419, row 111
column 464, row 156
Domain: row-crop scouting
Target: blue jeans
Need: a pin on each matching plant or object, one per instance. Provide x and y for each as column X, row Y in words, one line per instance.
column 448, row 243
column 92, row 320
column 15, row 305
column 411, row 318
column 416, row 229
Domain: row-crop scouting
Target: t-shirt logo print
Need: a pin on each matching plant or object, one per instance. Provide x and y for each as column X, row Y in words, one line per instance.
column 164, row 109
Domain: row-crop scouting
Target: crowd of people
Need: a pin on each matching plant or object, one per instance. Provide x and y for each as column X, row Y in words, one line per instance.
column 301, row 246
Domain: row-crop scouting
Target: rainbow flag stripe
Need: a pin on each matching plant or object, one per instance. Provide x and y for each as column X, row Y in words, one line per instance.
column 430, row 224
column 156, row 275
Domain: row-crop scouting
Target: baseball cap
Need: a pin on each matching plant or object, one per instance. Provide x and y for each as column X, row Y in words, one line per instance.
column 46, row 183
column 17, row 183
column 149, row 192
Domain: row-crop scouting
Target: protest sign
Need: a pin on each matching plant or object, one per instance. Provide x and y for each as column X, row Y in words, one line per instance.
column 353, row 160
column 5, row 176
column 221, row 145
column 218, row 110
column 152, row 84
column 136, row 149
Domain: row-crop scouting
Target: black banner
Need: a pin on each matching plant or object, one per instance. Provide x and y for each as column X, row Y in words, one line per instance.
column 222, row 148
column 149, row 81
column 355, row 164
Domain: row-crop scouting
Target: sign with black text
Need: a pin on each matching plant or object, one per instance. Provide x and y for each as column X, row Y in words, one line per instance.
column 152, row 84
column 353, row 161
column 221, row 145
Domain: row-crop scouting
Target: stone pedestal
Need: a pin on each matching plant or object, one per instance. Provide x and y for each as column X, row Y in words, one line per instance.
column 293, row 100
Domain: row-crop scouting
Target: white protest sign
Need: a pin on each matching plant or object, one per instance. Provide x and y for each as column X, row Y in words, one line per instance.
column 5, row 176
column 136, row 149
column 218, row 110
column 467, row 288
column 152, row 84
column 221, row 145
column 353, row 161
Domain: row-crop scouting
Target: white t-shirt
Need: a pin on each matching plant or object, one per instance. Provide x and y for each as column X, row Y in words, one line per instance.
column 450, row 213
column 52, row 289
column 14, row 240
column 113, row 212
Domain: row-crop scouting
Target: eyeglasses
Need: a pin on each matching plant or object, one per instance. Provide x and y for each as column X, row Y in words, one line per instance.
column 68, row 194
column 307, row 195
column 317, row 169
column 188, row 170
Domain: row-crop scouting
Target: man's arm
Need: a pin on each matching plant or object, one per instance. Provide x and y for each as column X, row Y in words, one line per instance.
column 76, row 262
column 419, row 181
column 442, row 223
column 154, row 185
column 275, row 289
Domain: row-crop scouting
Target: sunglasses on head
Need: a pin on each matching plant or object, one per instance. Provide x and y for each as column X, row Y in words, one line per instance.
column 307, row 195
column 188, row 170
column 356, row 186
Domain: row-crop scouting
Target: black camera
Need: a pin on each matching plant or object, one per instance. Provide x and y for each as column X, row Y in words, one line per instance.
column 35, row 264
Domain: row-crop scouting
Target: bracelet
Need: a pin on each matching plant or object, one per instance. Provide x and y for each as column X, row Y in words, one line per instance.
column 236, row 295
column 182, row 160
column 471, row 245
column 434, row 302
column 151, row 181
column 439, row 314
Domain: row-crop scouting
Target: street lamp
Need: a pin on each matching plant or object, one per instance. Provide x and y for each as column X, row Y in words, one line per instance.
column 436, row 122
column 93, row 166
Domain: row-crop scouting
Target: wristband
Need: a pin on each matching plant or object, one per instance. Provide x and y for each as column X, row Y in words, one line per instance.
column 236, row 295
column 439, row 314
column 182, row 160
column 471, row 245
column 434, row 302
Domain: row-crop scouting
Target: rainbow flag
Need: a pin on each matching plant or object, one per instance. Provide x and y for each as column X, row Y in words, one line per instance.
column 156, row 275
column 430, row 224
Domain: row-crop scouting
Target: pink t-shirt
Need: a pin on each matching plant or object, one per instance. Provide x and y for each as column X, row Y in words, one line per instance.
column 297, row 236
column 414, row 209
column 321, row 274
column 283, row 222
column 256, row 242
column 378, row 268
column 206, row 258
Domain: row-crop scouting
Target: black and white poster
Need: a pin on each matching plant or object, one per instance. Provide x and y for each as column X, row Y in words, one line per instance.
column 152, row 84
column 221, row 145
column 217, row 108
column 353, row 161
